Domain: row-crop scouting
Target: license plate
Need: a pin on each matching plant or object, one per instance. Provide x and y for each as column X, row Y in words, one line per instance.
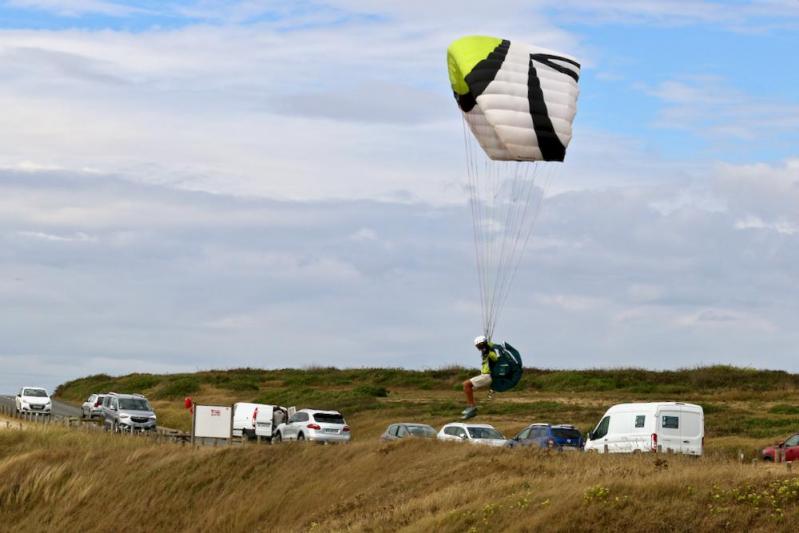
column 328, row 430
column 36, row 406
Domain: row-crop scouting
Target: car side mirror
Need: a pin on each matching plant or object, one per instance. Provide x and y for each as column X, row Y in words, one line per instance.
column 590, row 435
column 463, row 437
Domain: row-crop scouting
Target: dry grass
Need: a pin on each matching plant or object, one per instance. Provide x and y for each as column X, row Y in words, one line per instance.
column 57, row 479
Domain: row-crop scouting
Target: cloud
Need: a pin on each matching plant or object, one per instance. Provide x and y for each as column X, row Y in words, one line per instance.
column 745, row 16
column 124, row 275
column 271, row 188
column 710, row 106
column 75, row 8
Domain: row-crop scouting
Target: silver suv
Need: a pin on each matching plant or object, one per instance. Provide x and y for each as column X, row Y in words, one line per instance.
column 127, row 412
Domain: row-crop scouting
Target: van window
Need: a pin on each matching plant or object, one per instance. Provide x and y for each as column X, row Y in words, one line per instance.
column 640, row 420
column 602, row 429
column 671, row 422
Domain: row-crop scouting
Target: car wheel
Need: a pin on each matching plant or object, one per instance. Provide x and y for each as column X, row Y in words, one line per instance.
column 300, row 437
column 276, row 438
column 768, row 459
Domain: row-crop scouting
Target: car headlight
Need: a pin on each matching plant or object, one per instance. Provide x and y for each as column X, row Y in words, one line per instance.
column 152, row 418
column 124, row 416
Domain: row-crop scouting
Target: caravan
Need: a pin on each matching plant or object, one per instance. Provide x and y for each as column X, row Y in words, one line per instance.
column 673, row 427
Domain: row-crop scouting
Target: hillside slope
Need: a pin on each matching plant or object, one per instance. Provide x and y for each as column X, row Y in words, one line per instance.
column 744, row 408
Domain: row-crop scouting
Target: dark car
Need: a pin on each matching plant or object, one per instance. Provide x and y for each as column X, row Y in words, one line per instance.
column 788, row 450
column 408, row 429
column 561, row 437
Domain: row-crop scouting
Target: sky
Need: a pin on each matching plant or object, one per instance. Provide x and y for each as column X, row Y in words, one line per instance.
column 217, row 184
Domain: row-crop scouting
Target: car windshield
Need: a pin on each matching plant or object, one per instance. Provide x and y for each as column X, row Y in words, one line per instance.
column 134, row 404
column 422, row 431
column 485, row 433
column 36, row 393
column 564, row 433
column 329, row 418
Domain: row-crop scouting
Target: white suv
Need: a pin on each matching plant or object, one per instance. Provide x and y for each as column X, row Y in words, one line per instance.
column 314, row 425
column 33, row 400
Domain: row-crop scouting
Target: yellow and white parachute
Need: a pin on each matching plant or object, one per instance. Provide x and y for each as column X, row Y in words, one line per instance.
column 518, row 102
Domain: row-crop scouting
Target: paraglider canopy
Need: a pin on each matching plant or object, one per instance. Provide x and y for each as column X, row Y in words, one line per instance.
column 518, row 101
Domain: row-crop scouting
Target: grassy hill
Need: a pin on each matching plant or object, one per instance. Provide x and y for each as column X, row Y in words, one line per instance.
column 744, row 408
column 59, row 479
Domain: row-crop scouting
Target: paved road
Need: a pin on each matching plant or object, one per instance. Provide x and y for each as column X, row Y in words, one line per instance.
column 59, row 408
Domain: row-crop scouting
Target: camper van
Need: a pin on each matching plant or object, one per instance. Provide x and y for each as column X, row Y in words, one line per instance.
column 667, row 427
column 252, row 420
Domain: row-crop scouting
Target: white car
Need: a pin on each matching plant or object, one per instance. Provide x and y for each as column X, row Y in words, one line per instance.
column 33, row 400
column 93, row 406
column 484, row 434
column 314, row 425
column 674, row 427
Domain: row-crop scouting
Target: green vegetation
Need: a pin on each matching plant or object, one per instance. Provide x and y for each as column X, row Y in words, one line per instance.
column 631, row 380
column 759, row 405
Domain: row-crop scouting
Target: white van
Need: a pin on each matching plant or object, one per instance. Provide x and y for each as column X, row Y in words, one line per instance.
column 253, row 420
column 671, row 427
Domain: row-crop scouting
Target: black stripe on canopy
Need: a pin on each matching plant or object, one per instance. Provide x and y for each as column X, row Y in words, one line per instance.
column 548, row 141
column 481, row 75
column 547, row 59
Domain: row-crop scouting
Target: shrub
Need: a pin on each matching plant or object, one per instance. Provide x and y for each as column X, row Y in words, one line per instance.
column 178, row 388
column 369, row 390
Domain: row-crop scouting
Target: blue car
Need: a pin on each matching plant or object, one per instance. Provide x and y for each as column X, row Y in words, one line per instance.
column 561, row 437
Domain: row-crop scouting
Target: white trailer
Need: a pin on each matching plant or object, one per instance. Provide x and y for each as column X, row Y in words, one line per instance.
column 669, row 427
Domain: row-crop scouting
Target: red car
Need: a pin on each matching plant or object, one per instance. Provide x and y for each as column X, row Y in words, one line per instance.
column 788, row 450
